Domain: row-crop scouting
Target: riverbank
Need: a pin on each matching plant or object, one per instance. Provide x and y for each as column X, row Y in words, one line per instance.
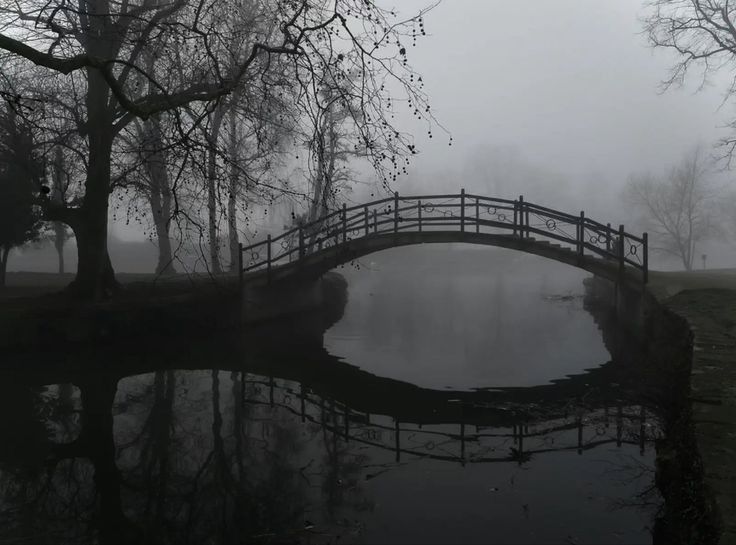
column 711, row 316
column 36, row 313
column 687, row 320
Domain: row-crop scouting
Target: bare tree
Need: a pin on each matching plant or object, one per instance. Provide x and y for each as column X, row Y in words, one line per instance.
column 703, row 34
column 158, row 189
column 106, row 41
column 676, row 208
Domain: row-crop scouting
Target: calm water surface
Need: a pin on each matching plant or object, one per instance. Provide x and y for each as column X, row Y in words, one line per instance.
column 399, row 430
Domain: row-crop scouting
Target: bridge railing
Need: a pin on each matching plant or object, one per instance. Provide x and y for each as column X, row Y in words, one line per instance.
column 462, row 212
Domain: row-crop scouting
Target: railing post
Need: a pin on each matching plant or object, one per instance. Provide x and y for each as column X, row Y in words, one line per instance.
column 608, row 238
column 367, row 228
column 477, row 215
column 516, row 216
column 396, row 211
column 419, row 215
column 462, row 210
column 645, row 257
column 268, row 259
column 621, row 244
column 375, row 221
column 301, row 242
column 581, row 233
column 521, row 216
column 344, row 222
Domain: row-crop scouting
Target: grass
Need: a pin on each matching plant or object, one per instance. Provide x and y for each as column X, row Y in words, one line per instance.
column 35, row 289
column 667, row 284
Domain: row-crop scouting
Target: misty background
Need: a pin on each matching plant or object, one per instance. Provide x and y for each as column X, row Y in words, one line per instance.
column 559, row 101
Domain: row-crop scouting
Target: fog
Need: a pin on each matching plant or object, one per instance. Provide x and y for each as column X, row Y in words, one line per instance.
column 560, row 101
column 457, row 365
column 571, row 85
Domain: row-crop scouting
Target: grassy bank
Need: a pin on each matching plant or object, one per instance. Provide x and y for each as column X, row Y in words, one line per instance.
column 707, row 301
column 35, row 311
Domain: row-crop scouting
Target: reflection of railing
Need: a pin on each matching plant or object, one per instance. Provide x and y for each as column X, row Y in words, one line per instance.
column 464, row 213
column 519, row 441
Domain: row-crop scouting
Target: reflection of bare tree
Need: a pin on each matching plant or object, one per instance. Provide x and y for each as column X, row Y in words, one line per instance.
column 229, row 457
column 77, row 495
column 97, row 443
column 151, row 473
column 341, row 481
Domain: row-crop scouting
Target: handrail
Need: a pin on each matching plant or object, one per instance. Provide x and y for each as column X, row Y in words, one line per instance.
column 465, row 212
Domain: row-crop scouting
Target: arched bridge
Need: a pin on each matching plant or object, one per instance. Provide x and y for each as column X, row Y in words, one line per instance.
column 351, row 232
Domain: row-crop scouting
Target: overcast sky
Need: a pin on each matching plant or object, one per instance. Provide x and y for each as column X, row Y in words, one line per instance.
column 572, row 84
column 568, row 86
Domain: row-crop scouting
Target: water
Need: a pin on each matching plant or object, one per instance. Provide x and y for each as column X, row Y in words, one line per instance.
column 400, row 430
column 509, row 319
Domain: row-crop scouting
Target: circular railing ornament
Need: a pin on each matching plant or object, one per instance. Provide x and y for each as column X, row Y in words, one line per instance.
column 551, row 224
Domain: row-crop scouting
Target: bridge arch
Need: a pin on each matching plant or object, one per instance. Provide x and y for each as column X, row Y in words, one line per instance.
column 352, row 232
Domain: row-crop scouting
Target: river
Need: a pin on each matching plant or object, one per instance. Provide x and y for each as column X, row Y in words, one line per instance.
column 465, row 396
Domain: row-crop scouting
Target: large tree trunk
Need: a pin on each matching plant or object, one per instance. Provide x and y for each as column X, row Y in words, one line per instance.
column 323, row 179
column 159, row 195
column 4, row 255
column 95, row 276
column 59, row 241
column 212, row 138
column 60, row 233
column 165, row 265
column 232, row 218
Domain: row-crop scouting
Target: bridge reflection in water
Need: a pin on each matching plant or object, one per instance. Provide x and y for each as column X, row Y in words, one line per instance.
column 233, row 456
column 529, row 431
column 245, row 440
